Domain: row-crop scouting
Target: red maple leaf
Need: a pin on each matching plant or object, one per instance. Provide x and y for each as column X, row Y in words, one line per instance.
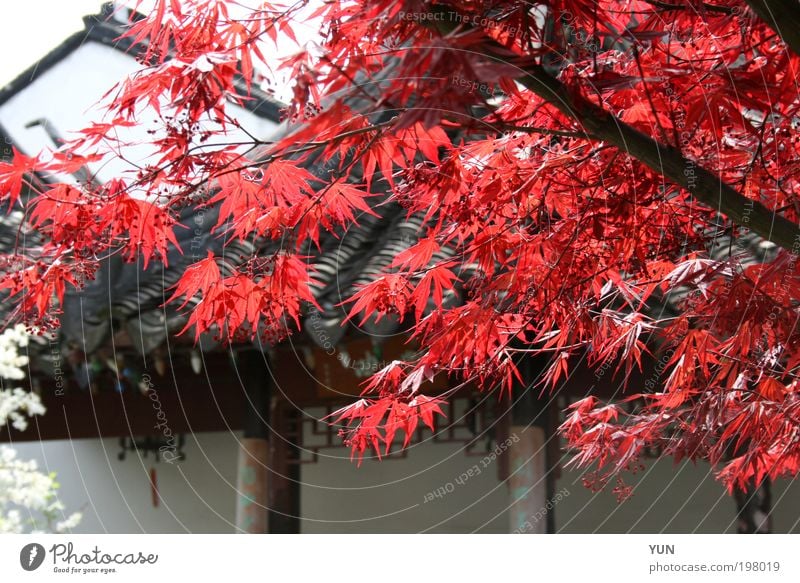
column 13, row 175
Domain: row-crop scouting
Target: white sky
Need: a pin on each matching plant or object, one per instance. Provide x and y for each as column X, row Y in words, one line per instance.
column 32, row 28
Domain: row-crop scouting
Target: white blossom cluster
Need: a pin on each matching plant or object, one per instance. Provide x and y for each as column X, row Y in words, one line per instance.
column 11, row 361
column 16, row 405
column 28, row 497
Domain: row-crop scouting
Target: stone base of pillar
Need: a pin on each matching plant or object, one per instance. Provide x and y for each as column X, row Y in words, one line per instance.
column 251, row 485
column 527, row 482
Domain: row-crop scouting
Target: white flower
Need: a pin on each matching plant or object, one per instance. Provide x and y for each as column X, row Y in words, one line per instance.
column 15, row 402
column 11, row 361
column 70, row 523
column 24, row 490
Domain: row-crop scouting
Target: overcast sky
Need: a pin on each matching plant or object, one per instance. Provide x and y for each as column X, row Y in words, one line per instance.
column 32, row 28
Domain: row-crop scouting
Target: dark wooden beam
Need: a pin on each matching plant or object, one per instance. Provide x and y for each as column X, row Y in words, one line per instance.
column 180, row 400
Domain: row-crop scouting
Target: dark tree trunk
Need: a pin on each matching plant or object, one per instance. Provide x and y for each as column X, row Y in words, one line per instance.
column 754, row 508
column 784, row 18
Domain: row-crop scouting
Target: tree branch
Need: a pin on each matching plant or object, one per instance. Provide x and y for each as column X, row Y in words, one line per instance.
column 783, row 16
column 705, row 5
column 705, row 186
column 666, row 160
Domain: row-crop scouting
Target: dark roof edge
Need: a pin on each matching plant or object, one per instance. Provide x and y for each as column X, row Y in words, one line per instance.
column 99, row 28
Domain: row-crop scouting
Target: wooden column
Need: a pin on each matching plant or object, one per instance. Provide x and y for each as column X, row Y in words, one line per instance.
column 530, row 484
column 284, row 494
column 252, row 484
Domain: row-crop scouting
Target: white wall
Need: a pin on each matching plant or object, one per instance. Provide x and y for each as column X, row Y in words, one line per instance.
column 196, row 495
column 667, row 498
column 390, row 496
column 199, row 494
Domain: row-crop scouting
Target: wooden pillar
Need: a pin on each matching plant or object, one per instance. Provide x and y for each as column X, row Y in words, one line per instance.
column 530, row 483
column 252, row 484
column 284, row 494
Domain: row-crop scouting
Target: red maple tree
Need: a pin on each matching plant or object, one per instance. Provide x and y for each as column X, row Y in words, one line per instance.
column 588, row 173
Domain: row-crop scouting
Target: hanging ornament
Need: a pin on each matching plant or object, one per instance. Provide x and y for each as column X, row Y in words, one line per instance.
column 308, row 357
column 160, row 363
column 196, row 362
column 154, row 487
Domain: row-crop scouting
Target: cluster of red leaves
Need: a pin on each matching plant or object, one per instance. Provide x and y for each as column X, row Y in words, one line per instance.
column 374, row 422
column 230, row 304
column 550, row 240
column 378, row 421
